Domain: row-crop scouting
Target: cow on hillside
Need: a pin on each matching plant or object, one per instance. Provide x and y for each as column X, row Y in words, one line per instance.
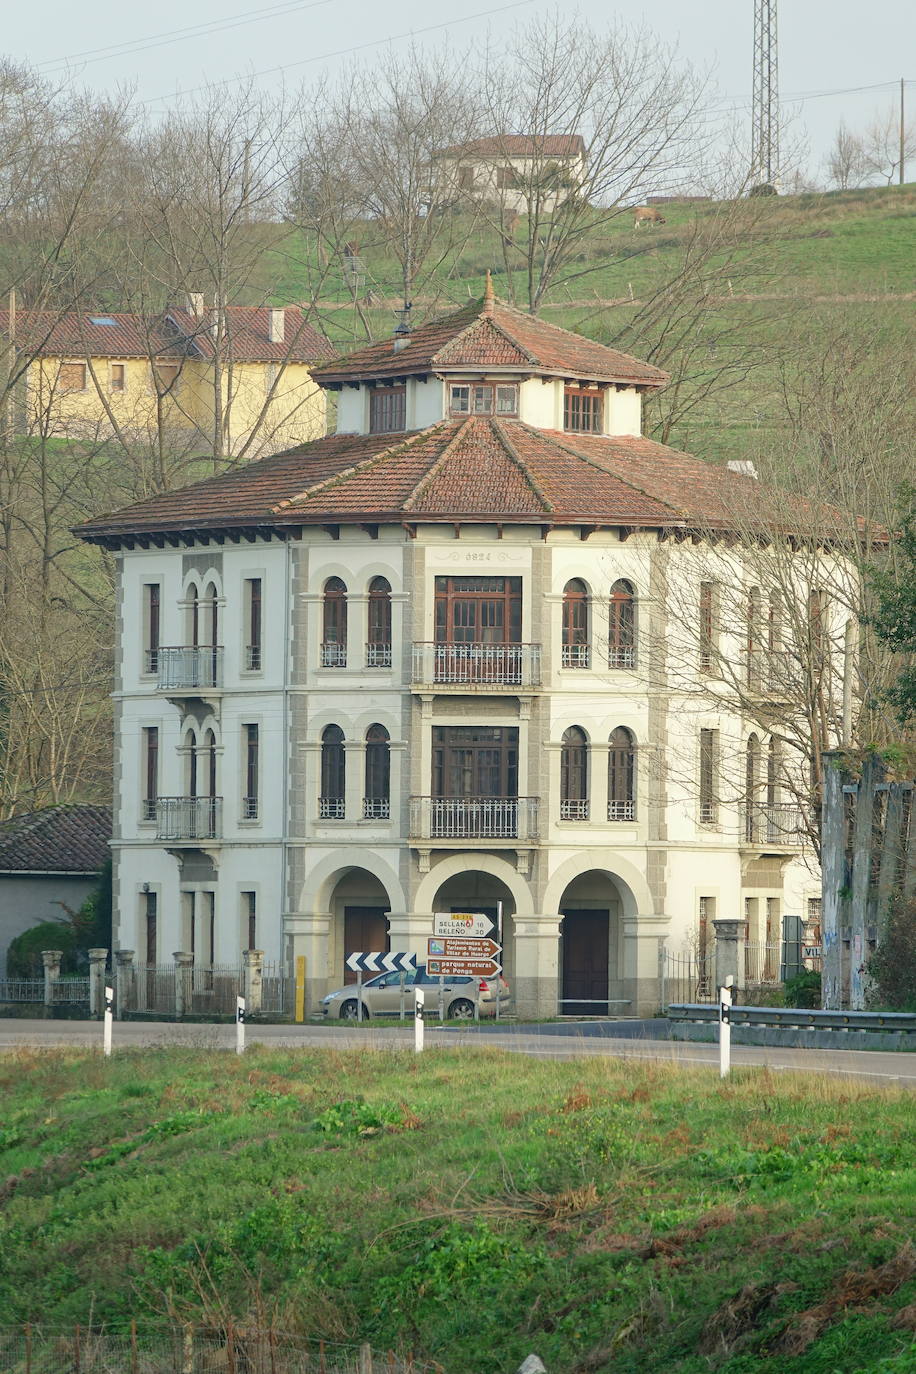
column 646, row 214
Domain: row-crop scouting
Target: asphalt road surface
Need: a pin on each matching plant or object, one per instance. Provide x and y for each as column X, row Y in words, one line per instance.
column 616, row 1039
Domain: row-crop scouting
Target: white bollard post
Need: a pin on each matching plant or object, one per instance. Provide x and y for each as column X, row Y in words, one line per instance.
column 106, row 1028
column 725, row 1028
column 418, row 1019
column 240, row 1025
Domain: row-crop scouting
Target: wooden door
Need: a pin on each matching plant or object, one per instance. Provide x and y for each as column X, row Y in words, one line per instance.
column 585, row 963
column 365, row 932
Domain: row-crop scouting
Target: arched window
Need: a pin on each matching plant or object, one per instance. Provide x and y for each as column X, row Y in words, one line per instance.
column 210, row 608
column 208, row 659
column 751, row 790
column 621, row 626
column 778, row 819
column 575, row 625
column 192, row 614
column 376, row 802
column 334, row 625
column 776, row 659
column 621, row 775
column 332, row 801
column 190, row 748
column 754, row 638
column 574, row 775
column 378, row 634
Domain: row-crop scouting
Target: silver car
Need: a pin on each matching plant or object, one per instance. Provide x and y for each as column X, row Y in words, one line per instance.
column 382, row 996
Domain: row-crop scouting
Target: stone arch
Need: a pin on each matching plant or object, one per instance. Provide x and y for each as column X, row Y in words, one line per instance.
column 491, row 864
column 324, row 876
column 635, row 896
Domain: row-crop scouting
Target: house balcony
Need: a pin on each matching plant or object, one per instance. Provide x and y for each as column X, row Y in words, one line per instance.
column 189, row 670
column 773, row 827
column 474, row 818
column 189, row 820
column 486, row 667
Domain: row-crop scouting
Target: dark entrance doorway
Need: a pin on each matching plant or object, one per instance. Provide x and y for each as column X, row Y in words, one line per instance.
column 585, row 963
column 365, row 932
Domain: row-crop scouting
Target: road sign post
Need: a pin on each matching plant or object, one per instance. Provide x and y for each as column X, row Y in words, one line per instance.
column 419, row 999
column 240, row 1025
column 725, row 1028
column 106, row 1029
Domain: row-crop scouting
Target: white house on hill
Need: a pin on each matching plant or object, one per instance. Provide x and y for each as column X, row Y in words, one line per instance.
column 425, row 664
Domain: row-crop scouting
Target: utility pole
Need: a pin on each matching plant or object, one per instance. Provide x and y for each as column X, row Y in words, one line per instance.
column 765, row 116
column 902, row 135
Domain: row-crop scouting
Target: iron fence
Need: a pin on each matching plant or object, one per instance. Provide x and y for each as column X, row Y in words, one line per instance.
column 451, row 818
column 151, row 988
column 685, row 977
column 762, row 963
column 508, row 665
column 278, row 990
column 73, row 990
column 22, row 990
column 214, row 988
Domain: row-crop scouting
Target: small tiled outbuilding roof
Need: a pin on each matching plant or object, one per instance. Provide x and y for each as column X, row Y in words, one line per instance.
column 490, row 334
column 519, row 145
column 76, row 334
column 477, row 469
column 59, row 839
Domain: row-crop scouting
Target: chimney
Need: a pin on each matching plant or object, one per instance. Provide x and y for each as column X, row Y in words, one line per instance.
column 276, row 325
column 744, row 467
column 402, row 328
column 196, row 304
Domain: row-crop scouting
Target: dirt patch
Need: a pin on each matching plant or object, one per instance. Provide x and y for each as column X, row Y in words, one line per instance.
column 856, row 1289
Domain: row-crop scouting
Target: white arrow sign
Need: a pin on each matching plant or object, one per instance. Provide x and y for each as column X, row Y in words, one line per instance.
column 461, row 923
column 398, row 961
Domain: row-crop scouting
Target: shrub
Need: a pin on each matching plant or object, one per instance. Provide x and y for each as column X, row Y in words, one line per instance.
column 804, row 990
column 892, row 966
column 23, row 958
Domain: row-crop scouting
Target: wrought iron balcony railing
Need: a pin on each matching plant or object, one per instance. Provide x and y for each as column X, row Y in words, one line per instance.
column 573, row 810
column 376, row 809
column 189, row 667
column 498, row 665
column 189, row 818
column 621, row 810
column 333, row 655
column 474, row 818
column 773, row 825
column 576, row 656
column 332, row 809
column 621, row 656
column 378, row 655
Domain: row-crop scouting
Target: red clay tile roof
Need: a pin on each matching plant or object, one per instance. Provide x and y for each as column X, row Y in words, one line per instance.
column 101, row 334
column 519, row 145
column 475, row 469
column 59, row 839
column 488, row 334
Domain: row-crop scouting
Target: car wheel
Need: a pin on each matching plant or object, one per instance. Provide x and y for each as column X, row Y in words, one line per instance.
column 349, row 1010
column 462, row 1010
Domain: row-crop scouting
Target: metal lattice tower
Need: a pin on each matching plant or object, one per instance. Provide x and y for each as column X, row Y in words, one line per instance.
column 765, row 133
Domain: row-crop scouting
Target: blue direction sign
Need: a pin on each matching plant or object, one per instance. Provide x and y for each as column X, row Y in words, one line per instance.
column 397, row 961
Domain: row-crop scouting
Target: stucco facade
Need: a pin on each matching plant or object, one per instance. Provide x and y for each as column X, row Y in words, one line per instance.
column 553, row 770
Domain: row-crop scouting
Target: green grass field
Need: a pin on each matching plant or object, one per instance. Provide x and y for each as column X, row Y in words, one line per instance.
column 471, row 1208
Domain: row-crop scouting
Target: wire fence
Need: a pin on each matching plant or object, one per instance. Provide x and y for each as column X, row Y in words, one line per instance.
column 190, row 1350
column 688, row 977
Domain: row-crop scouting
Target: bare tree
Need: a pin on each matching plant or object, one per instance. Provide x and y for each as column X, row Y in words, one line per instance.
column 881, row 145
column 635, row 107
column 847, row 163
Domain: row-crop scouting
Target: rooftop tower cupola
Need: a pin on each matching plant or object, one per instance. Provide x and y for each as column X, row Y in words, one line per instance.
column 489, row 359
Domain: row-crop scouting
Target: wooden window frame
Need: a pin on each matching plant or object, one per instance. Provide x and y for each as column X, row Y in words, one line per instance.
column 464, row 748
column 74, row 363
column 621, row 774
column 150, row 772
column 112, row 385
column 455, row 593
column 575, row 415
column 621, row 626
column 574, row 775
column 254, row 623
column 332, row 801
column 251, row 801
column 483, row 399
column 576, row 638
column 388, row 410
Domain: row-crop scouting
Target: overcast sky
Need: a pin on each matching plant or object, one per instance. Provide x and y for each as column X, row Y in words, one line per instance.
column 822, row 46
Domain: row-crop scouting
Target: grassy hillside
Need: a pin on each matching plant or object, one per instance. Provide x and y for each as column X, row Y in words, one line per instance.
column 471, row 1208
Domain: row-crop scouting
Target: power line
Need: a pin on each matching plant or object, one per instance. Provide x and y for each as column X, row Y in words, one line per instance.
column 128, row 47
column 340, row 52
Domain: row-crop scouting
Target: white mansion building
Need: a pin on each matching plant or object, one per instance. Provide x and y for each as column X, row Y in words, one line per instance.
column 421, row 665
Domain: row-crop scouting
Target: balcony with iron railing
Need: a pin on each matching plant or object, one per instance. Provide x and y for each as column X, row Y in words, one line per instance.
column 189, row 668
column 474, row 818
column 333, row 655
column 573, row 809
column 378, row 655
column 622, row 656
column 376, row 809
column 576, row 656
column 189, row 819
column 773, row 826
column 492, row 667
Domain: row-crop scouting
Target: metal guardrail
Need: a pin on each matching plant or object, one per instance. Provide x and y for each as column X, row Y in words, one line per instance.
column 798, row 1017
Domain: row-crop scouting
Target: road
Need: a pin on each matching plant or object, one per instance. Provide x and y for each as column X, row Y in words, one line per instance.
column 620, row 1040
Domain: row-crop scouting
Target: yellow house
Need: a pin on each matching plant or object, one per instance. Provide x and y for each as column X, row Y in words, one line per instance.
column 234, row 382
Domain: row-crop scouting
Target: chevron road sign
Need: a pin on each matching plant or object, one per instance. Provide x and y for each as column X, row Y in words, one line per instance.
column 398, row 961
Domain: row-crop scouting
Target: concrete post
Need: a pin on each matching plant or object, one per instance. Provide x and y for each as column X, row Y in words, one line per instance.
column 728, row 939
column 536, row 974
column 184, row 964
column 253, row 961
column 98, row 958
column 51, row 959
column 124, row 982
